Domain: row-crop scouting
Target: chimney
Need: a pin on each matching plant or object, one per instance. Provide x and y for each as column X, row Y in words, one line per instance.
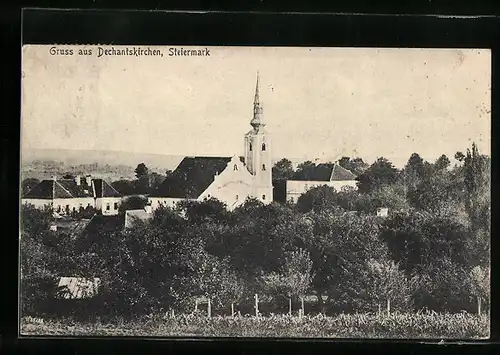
column 148, row 208
column 78, row 180
column 88, row 180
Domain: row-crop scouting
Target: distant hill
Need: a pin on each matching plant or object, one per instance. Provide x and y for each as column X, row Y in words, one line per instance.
column 111, row 165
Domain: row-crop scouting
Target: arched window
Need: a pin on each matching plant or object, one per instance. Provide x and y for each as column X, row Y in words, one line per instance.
column 250, row 146
column 237, row 196
column 263, row 146
column 264, row 167
column 235, row 167
column 263, row 197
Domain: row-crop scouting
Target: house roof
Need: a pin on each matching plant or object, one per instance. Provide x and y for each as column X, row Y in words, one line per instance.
column 103, row 189
column 134, row 215
column 192, row 177
column 68, row 188
column 331, row 172
column 102, row 223
column 73, row 227
column 77, row 287
column 52, row 189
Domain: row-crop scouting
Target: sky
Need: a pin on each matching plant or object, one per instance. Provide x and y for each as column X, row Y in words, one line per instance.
column 319, row 103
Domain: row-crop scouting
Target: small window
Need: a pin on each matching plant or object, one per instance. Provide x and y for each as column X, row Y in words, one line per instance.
column 263, row 147
column 74, row 209
column 264, row 167
column 67, row 208
column 237, row 196
column 107, row 207
column 235, row 167
column 59, row 208
column 263, row 197
column 116, row 205
column 250, row 146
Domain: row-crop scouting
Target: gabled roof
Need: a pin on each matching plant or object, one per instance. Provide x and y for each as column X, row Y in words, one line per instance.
column 192, row 177
column 331, row 172
column 68, row 188
column 105, row 223
column 52, row 189
column 340, row 173
column 103, row 189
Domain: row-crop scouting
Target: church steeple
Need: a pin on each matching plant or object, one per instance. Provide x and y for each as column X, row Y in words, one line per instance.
column 258, row 110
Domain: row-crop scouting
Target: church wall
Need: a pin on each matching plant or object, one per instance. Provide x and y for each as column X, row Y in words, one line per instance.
column 232, row 186
column 295, row 188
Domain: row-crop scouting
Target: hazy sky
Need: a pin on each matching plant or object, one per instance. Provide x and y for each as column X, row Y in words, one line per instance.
column 318, row 102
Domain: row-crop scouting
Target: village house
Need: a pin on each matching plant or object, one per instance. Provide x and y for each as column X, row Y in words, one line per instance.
column 71, row 195
column 327, row 174
column 229, row 179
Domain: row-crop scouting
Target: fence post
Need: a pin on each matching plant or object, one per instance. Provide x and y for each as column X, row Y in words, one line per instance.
column 256, row 305
column 209, row 309
column 290, row 306
column 232, row 309
column 388, row 306
column 172, row 313
column 302, row 303
column 196, row 305
column 379, row 310
column 478, row 305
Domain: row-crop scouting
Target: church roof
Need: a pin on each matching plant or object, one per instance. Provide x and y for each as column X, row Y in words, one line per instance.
column 192, row 177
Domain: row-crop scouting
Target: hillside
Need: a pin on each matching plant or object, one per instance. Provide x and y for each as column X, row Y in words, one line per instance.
column 110, row 165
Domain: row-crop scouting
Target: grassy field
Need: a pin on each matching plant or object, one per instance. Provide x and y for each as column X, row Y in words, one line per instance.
column 436, row 326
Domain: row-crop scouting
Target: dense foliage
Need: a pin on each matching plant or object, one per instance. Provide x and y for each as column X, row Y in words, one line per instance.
column 432, row 251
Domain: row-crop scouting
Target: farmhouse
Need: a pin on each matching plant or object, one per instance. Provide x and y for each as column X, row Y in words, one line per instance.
column 329, row 174
column 230, row 179
column 69, row 195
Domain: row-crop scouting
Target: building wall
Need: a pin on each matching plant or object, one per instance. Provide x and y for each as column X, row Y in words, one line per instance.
column 295, row 188
column 163, row 201
column 113, row 203
column 61, row 204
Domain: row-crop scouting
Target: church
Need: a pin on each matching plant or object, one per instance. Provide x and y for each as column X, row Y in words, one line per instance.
column 229, row 179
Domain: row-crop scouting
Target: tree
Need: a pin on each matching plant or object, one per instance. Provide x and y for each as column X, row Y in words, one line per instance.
column 134, row 202
column 442, row 163
column 318, row 199
column 305, row 171
column 380, row 173
column 198, row 212
column 28, row 184
column 357, row 166
column 479, row 283
column 124, row 187
column 283, row 170
column 143, row 181
column 293, row 279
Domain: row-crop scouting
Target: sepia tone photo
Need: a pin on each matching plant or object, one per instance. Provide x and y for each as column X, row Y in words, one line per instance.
column 278, row 192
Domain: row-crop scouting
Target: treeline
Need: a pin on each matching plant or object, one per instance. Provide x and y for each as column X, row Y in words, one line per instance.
column 432, row 251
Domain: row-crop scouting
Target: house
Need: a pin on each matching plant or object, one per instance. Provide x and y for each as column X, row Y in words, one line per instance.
column 71, row 195
column 230, row 179
column 131, row 216
column 77, row 287
column 68, row 225
column 329, row 174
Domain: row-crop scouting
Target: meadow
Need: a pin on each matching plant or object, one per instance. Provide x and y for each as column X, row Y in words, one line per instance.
column 394, row 326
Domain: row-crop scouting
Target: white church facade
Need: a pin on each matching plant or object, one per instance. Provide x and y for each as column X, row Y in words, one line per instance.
column 229, row 179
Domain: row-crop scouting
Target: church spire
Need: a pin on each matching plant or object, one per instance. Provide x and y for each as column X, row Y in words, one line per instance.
column 256, row 121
